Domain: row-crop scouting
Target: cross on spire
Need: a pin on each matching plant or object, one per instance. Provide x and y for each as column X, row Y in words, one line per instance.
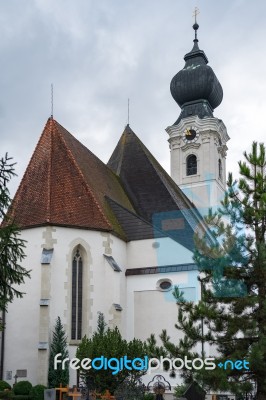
column 195, row 13
column 196, row 25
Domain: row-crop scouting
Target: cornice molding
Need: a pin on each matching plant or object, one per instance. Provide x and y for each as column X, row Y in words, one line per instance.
column 203, row 125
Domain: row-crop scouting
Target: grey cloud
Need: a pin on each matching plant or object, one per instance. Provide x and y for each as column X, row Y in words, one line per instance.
column 99, row 53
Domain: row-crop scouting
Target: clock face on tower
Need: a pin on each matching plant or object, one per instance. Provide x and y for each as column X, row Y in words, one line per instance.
column 191, row 134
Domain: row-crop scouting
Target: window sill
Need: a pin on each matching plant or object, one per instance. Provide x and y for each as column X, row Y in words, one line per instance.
column 192, row 176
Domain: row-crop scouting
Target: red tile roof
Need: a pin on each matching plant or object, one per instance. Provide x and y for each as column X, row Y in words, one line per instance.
column 65, row 184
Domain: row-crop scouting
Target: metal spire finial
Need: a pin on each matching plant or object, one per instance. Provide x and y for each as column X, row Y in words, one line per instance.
column 128, row 112
column 196, row 25
column 195, row 13
column 52, row 101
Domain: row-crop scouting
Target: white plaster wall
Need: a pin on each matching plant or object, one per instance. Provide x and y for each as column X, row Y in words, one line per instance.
column 142, row 253
column 103, row 280
column 205, row 188
column 160, row 307
column 104, row 288
column 22, row 319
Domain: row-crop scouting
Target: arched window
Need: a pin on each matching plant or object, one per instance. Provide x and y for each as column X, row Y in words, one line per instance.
column 191, row 164
column 220, row 169
column 76, row 306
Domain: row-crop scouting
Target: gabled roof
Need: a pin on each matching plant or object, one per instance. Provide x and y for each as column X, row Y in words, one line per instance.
column 65, row 184
column 155, row 196
column 133, row 225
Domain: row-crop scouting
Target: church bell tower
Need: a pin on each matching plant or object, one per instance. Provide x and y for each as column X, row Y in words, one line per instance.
column 197, row 139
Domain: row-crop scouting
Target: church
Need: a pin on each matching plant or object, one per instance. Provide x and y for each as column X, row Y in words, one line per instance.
column 117, row 237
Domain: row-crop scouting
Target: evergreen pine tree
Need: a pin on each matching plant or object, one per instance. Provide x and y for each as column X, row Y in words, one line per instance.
column 101, row 324
column 109, row 343
column 11, row 246
column 231, row 315
column 58, row 345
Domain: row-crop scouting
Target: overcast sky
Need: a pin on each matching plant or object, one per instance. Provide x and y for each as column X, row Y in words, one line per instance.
column 97, row 53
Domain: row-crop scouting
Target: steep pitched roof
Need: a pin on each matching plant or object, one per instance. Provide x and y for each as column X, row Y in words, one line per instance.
column 133, row 225
column 65, row 184
column 155, row 196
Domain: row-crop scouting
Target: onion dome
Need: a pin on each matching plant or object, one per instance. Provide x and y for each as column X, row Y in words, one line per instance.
column 196, row 88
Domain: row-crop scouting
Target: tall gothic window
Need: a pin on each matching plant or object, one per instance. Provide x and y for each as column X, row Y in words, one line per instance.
column 220, row 169
column 76, row 307
column 191, row 164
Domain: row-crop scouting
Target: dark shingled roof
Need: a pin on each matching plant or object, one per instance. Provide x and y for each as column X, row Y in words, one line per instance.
column 133, row 197
column 155, row 196
column 134, row 226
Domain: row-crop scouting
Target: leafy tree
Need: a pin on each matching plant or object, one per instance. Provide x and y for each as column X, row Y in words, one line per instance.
column 58, row 345
column 11, row 245
column 109, row 343
column 231, row 315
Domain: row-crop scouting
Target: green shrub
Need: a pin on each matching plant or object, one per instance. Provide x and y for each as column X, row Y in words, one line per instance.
column 37, row 392
column 148, row 396
column 6, row 394
column 4, row 385
column 179, row 391
column 22, row 388
column 21, row 397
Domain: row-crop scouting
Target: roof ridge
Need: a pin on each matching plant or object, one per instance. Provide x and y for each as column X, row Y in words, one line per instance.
column 49, row 173
column 105, row 165
column 15, row 199
column 165, row 180
column 185, row 206
column 79, row 169
column 80, row 143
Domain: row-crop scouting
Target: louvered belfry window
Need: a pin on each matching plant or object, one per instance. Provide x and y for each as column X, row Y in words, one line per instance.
column 191, row 164
column 76, row 310
column 220, row 169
